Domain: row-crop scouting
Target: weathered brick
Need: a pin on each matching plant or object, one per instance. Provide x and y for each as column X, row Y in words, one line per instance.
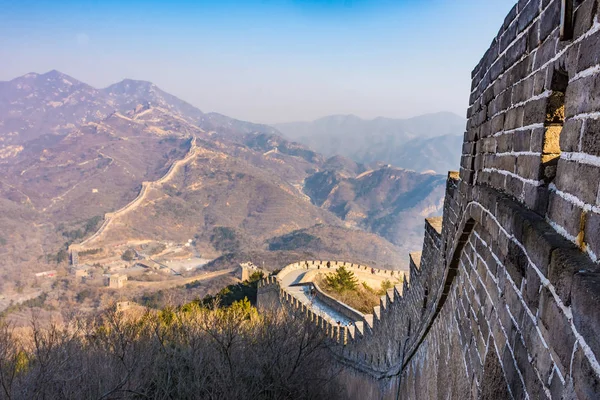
column 506, row 163
column 523, row 90
column 512, row 376
column 537, row 348
column 584, row 17
column 589, row 54
column 485, row 130
column 522, row 140
column 516, row 50
column 488, row 145
column 496, row 69
column 585, row 379
column 533, row 37
column 537, row 139
column 545, row 52
column 560, row 336
column 540, row 241
column 514, row 186
column 527, row 14
column 508, row 37
column 558, row 391
column 585, row 301
column 590, row 141
column 516, row 263
column 529, row 166
column 513, row 118
column 497, row 123
column 517, row 72
column 504, row 100
column 592, row 232
column 536, row 198
column 539, row 84
column 531, row 294
column 550, row 20
column 510, row 17
column 569, row 136
column 504, row 143
column 570, row 176
column 565, row 214
column 583, row 96
column 564, row 264
column 535, row 112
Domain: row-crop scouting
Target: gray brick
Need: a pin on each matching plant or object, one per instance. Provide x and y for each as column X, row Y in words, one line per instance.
column 584, row 17
column 589, row 52
column 580, row 180
column 564, row 214
column 550, row 20
column 590, row 142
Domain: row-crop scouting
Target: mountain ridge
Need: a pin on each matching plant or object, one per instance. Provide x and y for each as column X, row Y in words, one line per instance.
column 385, row 140
column 247, row 193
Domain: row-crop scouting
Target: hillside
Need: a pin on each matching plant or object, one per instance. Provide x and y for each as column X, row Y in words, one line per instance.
column 390, row 202
column 132, row 169
column 426, row 142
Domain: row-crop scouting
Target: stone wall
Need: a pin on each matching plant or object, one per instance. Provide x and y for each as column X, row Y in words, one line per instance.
column 504, row 299
column 522, row 313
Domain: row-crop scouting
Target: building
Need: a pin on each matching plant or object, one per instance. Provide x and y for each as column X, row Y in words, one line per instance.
column 115, row 281
column 46, row 274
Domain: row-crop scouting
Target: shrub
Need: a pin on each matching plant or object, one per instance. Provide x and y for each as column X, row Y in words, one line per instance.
column 224, row 239
column 186, row 353
column 128, row 255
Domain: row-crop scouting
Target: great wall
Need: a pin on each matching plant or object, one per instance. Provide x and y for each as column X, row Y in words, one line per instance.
column 109, row 218
column 504, row 299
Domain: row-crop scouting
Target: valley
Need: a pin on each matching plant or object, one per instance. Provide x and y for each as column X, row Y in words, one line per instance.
column 142, row 187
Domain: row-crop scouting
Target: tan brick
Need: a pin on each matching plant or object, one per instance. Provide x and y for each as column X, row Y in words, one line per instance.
column 552, row 139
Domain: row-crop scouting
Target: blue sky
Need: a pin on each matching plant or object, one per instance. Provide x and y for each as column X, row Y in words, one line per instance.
column 263, row 60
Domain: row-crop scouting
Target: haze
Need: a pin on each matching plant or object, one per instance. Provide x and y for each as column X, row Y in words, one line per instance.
column 265, row 61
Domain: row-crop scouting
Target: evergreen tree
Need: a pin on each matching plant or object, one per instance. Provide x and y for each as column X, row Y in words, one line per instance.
column 342, row 280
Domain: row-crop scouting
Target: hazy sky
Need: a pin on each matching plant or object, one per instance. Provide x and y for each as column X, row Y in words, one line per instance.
column 263, row 60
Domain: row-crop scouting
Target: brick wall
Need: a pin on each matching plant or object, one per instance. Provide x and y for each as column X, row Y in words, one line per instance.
column 504, row 299
column 521, row 225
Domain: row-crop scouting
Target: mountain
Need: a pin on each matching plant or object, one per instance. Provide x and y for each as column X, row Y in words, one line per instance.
column 426, row 142
column 389, row 201
column 52, row 103
column 128, row 93
column 133, row 168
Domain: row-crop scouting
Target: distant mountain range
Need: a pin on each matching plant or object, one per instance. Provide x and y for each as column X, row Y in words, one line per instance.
column 71, row 153
column 426, row 142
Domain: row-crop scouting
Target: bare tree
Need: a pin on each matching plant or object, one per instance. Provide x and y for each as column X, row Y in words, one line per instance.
column 186, row 353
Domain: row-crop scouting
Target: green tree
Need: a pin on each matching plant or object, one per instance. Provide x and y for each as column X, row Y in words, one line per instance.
column 385, row 285
column 62, row 256
column 342, row 280
column 128, row 255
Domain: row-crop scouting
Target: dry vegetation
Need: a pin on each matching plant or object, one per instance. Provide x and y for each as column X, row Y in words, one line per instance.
column 185, row 353
column 345, row 287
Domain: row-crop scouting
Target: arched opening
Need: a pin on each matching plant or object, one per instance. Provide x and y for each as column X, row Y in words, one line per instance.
column 553, row 125
column 474, row 165
column 566, row 20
